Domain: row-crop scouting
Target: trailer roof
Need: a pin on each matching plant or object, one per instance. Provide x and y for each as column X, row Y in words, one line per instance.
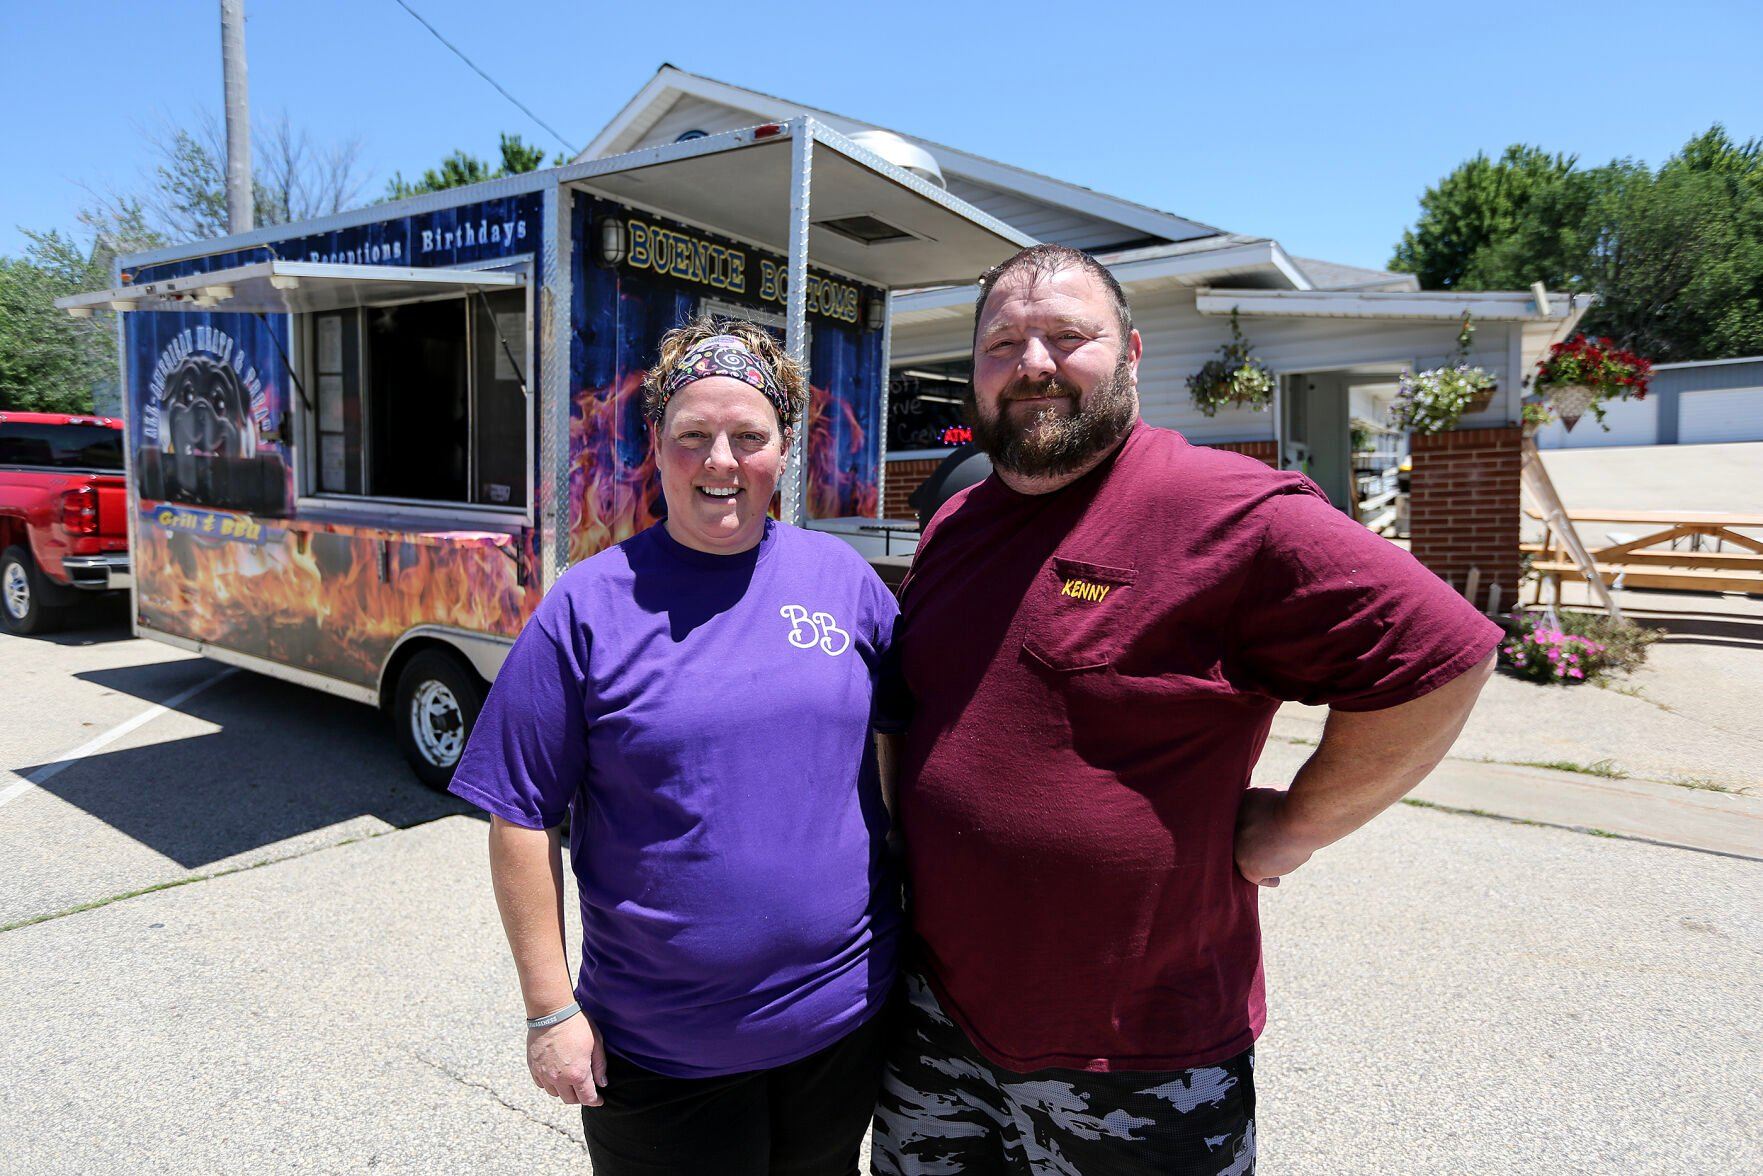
column 739, row 183
column 285, row 287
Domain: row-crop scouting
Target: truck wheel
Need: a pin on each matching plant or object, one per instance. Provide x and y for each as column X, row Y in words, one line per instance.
column 437, row 702
column 22, row 610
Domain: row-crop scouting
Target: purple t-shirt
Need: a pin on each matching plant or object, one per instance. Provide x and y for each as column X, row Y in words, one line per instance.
column 705, row 722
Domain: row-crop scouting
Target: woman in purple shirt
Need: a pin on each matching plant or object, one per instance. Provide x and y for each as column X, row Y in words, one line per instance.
column 697, row 701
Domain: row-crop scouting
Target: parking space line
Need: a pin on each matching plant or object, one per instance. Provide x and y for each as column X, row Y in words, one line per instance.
column 35, row 780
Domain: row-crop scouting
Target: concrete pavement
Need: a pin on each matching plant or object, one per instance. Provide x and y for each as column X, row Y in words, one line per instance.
column 1643, row 810
column 329, row 990
column 1449, row 994
column 248, row 770
column 1719, row 478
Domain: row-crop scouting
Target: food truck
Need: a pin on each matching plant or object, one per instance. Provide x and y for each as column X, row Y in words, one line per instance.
column 360, row 449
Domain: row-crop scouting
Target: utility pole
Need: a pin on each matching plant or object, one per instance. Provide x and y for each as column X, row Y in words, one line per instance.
column 239, row 211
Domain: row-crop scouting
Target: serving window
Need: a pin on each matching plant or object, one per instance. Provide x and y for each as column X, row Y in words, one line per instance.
column 421, row 401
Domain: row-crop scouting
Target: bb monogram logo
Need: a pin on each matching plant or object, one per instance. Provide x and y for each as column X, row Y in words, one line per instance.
column 815, row 630
column 1086, row 590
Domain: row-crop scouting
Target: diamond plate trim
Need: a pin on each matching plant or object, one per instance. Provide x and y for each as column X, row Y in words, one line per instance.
column 555, row 301
column 887, row 382
column 795, row 497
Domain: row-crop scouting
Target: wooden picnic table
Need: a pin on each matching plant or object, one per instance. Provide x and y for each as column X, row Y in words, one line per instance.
column 1638, row 563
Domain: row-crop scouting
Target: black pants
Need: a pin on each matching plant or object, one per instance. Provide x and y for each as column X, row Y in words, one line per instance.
column 806, row 1118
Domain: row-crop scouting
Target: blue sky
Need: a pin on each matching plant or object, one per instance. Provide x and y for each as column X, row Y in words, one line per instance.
column 1317, row 124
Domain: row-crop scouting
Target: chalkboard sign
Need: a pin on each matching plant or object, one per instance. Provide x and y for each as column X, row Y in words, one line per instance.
column 925, row 413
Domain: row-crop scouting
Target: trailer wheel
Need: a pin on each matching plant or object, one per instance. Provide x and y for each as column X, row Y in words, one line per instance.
column 437, row 702
column 22, row 610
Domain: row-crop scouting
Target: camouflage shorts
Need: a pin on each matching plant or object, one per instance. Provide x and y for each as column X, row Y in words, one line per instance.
column 946, row 1109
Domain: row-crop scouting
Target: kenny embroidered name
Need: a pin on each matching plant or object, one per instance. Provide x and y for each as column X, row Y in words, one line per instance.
column 1085, row 590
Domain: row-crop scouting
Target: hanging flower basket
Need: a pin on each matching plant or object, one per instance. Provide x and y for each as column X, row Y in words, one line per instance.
column 1234, row 379
column 1583, row 374
column 1572, row 401
column 1434, row 401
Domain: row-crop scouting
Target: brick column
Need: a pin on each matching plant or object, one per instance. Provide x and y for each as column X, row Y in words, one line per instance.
column 905, row 476
column 1266, row 452
column 1464, row 507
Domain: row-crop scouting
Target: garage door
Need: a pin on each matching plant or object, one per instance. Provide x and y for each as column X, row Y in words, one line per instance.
column 1721, row 414
column 1631, row 422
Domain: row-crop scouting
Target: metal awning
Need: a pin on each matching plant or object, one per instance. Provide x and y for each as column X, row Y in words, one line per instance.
column 286, row 287
column 744, row 184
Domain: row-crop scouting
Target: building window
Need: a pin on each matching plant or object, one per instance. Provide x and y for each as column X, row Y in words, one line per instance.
column 422, row 401
column 925, row 405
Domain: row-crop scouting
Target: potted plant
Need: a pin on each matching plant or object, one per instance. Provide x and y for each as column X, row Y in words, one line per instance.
column 1235, row 378
column 1584, row 373
column 1536, row 415
column 1434, row 401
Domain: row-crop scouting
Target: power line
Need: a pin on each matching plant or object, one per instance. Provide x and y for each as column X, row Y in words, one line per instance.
column 573, row 150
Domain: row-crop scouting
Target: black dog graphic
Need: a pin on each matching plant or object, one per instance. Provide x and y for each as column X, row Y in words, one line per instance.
column 208, row 442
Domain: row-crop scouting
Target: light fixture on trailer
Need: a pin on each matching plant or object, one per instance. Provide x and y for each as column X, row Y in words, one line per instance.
column 614, row 241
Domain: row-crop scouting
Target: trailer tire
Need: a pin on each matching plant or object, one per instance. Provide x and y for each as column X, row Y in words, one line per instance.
column 24, row 605
column 433, row 709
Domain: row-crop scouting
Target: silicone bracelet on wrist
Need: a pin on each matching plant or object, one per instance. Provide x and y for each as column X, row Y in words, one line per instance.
column 549, row 1019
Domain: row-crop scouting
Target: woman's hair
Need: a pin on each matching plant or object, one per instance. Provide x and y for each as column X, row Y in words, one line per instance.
column 761, row 342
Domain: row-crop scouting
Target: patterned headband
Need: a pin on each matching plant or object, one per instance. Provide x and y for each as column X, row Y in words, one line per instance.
column 722, row 355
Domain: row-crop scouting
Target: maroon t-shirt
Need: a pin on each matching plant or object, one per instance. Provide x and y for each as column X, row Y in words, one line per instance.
column 1093, row 673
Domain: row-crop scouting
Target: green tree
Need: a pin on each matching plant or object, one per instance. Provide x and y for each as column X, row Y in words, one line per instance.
column 460, row 168
column 1479, row 204
column 49, row 361
column 1674, row 256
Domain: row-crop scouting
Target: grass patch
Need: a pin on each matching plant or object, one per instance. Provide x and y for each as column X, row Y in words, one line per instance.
column 1703, row 784
column 1604, row 767
column 173, row 883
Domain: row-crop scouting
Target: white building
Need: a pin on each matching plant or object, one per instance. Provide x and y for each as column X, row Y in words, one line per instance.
column 1336, row 335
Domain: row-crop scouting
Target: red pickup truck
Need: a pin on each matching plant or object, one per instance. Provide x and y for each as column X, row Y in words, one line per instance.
column 63, row 515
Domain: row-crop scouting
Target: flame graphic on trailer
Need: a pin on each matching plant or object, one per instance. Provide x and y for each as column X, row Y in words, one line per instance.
column 332, row 600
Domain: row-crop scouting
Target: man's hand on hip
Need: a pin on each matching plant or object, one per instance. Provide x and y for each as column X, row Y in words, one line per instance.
column 1266, row 849
column 1367, row 761
column 568, row 1060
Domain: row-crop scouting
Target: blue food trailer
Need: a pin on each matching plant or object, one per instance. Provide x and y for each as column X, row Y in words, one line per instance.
column 361, row 448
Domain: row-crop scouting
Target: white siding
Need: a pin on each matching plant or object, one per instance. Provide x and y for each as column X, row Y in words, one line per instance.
column 1720, row 414
column 1631, row 422
column 1040, row 220
column 695, row 114
column 1178, row 339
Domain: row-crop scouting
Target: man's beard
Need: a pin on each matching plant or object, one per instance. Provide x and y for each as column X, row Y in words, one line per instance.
column 1048, row 444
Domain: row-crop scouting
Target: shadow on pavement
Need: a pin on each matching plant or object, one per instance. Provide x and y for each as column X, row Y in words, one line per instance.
column 284, row 761
column 94, row 622
column 1734, row 632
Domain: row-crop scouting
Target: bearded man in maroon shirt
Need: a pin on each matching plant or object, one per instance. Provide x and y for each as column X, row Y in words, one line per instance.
column 1094, row 642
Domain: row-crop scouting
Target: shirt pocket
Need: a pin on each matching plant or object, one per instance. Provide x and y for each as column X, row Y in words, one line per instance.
column 1075, row 615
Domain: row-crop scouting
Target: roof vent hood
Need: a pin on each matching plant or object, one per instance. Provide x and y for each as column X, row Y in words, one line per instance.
column 902, row 154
